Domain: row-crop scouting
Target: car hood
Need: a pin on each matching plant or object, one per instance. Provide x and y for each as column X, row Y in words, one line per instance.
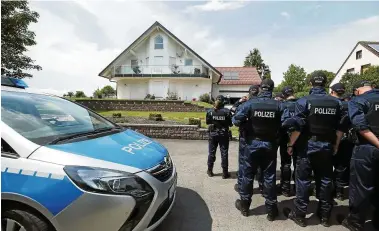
column 126, row 148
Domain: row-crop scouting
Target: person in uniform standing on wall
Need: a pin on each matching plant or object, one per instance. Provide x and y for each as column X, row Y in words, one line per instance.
column 219, row 120
column 317, row 135
column 364, row 180
column 285, row 159
column 264, row 120
column 341, row 159
column 243, row 129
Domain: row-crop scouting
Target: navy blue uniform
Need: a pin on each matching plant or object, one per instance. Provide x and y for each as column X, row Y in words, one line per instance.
column 364, row 180
column 318, row 117
column 285, row 159
column 219, row 121
column 342, row 158
column 264, row 120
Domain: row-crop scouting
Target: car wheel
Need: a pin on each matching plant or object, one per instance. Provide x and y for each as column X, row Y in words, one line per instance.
column 18, row 220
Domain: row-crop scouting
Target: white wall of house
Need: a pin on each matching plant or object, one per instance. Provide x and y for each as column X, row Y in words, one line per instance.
column 231, row 90
column 352, row 63
column 186, row 89
column 159, row 61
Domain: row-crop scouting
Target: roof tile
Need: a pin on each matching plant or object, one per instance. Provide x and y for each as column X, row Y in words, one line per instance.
column 246, row 76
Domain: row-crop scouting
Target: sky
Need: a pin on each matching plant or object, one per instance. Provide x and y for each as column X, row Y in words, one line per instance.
column 78, row 39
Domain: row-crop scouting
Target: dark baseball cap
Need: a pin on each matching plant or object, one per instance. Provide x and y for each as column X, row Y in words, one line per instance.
column 288, row 90
column 254, row 88
column 339, row 88
column 361, row 83
column 267, row 84
column 220, row 97
column 318, row 78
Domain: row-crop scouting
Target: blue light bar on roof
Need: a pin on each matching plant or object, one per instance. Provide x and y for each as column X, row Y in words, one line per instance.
column 13, row 82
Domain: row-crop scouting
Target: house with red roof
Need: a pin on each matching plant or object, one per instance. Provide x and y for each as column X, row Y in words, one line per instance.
column 235, row 82
column 159, row 63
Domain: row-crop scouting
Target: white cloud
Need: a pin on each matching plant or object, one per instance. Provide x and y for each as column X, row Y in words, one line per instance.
column 72, row 62
column 285, row 14
column 216, row 5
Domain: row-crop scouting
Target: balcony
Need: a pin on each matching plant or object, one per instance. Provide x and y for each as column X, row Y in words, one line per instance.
column 161, row 71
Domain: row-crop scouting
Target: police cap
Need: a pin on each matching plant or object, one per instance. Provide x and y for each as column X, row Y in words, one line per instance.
column 220, row 98
column 287, row 91
column 339, row 88
column 267, row 85
column 361, row 83
column 254, row 88
column 318, row 78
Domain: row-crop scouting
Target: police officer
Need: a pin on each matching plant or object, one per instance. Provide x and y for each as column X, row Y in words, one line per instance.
column 243, row 129
column 341, row 159
column 317, row 135
column 264, row 118
column 285, row 159
column 219, row 121
column 364, row 182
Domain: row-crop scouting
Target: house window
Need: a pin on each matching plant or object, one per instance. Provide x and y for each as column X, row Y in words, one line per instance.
column 172, row 61
column 358, row 55
column 133, row 63
column 231, row 75
column 188, row 62
column 158, row 42
column 364, row 68
column 350, row 71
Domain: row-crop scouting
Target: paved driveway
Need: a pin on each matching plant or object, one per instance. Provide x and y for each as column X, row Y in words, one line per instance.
column 205, row 204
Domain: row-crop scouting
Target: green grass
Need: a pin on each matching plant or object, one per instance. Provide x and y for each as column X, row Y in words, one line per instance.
column 175, row 116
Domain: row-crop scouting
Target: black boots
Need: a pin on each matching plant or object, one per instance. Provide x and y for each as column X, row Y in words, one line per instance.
column 210, row 172
column 300, row 221
column 225, row 174
column 243, row 206
column 272, row 214
column 324, row 220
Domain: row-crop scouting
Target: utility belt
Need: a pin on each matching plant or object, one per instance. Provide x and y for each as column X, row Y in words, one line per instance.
column 214, row 127
column 323, row 138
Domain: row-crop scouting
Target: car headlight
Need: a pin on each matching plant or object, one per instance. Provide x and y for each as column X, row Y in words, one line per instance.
column 109, row 181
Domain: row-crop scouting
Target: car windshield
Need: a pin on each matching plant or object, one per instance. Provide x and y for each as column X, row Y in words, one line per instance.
column 43, row 119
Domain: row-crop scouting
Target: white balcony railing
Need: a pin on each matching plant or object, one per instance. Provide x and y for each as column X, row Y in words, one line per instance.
column 160, row 70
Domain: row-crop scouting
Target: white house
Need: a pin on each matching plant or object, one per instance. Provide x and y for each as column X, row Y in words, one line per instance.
column 158, row 63
column 363, row 55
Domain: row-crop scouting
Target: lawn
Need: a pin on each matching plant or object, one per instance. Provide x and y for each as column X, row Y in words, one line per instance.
column 175, row 116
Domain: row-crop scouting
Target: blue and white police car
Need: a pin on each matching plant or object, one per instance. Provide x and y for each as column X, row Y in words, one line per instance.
column 64, row 167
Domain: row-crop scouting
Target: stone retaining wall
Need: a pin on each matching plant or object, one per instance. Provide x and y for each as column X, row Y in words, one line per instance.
column 140, row 105
column 164, row 131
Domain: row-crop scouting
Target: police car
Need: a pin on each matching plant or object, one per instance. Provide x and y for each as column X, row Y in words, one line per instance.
column 64, row 167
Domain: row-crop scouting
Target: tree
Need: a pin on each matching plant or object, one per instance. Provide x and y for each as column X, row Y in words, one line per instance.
column 97, row 94
column 254, row 59
column 371, row 74
column 70, row 94
column 295, row 76
column 80, row 94
column 15, row 38
column 108, row 91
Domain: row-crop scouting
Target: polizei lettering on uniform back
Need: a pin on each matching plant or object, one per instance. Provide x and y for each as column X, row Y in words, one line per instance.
column 137, row 145
column 218, row 117
column 264, row 114
column 325, row 111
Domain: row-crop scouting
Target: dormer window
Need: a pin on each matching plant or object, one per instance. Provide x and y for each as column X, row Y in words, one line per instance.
column 158, row 42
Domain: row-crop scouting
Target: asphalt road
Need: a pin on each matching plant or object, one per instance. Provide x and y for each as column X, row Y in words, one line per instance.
column 205, row 203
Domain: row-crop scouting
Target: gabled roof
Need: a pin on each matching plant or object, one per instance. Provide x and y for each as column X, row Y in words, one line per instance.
column 146, row 33
column 365, row 44
column 246, row 76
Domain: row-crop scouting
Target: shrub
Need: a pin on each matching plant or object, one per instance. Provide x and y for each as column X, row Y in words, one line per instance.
column 194, row 121
column 155, row 117
column 148, row 96
column 205, row 98
column 116, row 115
